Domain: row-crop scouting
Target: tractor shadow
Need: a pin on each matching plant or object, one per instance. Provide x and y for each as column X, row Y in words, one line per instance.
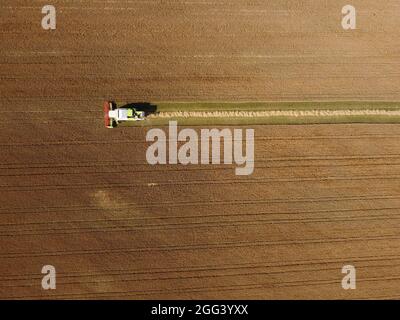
column 147, row 107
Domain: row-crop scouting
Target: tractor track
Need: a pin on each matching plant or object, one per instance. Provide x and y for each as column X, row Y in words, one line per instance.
column 274, row 113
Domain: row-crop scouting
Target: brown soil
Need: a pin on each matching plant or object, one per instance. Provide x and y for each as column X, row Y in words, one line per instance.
column 82, row 198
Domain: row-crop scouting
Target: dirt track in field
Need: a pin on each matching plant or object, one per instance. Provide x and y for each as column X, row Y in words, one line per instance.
column 82, row 198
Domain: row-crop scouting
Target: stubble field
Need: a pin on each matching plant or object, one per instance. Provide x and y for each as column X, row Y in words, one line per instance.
column 82, row 198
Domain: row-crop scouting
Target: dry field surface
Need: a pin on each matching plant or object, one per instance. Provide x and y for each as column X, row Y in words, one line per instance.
column 82, row 198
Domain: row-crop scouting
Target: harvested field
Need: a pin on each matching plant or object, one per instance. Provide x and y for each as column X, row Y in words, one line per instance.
column 84, row 199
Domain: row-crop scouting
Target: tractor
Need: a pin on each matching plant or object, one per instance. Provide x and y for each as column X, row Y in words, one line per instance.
column 114, row 115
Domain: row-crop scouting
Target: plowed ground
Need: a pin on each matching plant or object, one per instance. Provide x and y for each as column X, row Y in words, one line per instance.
column 83, row 198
